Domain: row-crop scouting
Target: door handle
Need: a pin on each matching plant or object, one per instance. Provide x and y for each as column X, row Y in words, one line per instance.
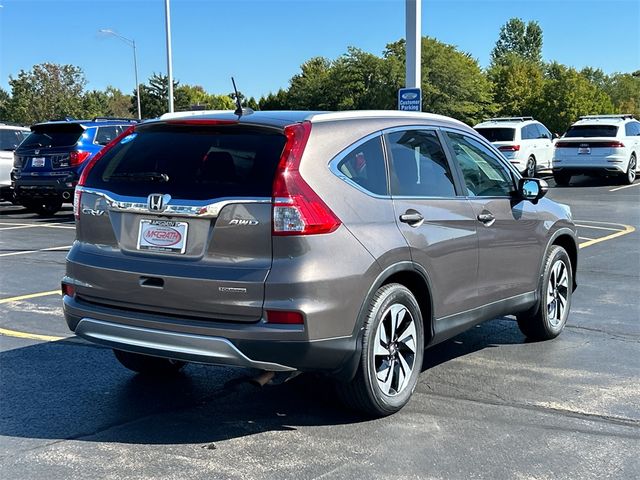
column 486, row 217
column 411, row 217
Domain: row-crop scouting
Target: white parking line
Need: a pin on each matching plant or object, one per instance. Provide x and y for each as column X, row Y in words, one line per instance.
column 626, row 186
column 586, row 238
column 12, row 226
column 24, row 252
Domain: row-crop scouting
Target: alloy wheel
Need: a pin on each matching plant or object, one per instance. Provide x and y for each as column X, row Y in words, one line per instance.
column 395, row 349
column 631, row 174
column 557, row 293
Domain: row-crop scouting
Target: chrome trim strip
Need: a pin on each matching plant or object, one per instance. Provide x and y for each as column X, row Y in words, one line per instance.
column 178, row 208
column 178, row 346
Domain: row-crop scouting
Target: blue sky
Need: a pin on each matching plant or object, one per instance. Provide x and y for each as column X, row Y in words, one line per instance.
column 263, row 43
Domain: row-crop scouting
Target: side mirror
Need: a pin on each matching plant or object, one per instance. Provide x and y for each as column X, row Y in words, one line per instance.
column 532, row 189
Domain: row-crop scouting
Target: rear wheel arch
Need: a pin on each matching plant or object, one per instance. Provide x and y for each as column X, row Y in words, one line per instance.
column 413, row 277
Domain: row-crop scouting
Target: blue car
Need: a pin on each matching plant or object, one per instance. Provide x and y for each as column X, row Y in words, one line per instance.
column 48, row 163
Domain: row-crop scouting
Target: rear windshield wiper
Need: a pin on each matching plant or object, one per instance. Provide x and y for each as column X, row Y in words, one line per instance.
column 153, row 176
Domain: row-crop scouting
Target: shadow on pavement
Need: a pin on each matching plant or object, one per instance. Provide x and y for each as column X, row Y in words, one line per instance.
column 72, row 390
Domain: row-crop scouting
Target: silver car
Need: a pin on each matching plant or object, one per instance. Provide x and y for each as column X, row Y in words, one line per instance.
column 342, row 243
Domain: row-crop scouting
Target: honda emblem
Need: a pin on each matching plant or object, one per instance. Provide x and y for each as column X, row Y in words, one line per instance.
column 157, row 202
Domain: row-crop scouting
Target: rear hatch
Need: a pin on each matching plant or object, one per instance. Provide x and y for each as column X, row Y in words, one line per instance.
column 588, row 143
column 502, row 137
column 46, row 150
column 176, row 218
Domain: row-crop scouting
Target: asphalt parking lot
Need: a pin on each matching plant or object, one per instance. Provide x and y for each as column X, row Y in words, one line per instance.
column 488, row 404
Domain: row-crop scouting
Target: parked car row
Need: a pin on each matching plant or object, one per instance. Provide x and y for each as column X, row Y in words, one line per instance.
column 604, row 145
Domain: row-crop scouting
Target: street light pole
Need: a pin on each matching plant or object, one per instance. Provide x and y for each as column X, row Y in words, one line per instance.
column 414, row 43
column 167, row 17
column 131, row 43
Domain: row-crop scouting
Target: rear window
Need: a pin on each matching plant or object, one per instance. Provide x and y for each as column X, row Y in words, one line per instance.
column 190, row 162
column 10, row 139
column 497, row 134
column 53, row 136
column 592, row 131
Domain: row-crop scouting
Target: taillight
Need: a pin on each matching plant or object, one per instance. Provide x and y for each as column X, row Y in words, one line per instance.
column 297, row 209
column 610, row 144
column 509, row 148
column 68, row 289
column 77, row 196
column 77, row 157
column 283, row 317
column 565, row 145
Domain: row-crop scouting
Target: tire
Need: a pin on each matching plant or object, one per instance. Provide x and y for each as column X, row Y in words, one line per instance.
column 630, row 176
column 148, row 365
column 562, row 179
column 381, row 386
column 548, row 318
column 530, row 169
column 44, row 208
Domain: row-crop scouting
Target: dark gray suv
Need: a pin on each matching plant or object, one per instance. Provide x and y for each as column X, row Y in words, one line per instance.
column 343, row 243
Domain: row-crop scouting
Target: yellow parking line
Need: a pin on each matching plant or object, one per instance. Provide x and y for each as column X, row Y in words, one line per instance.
column 25, row 252
column 599, row 228
column 626, row 186
column 29, row 295
column 30, row 336
column 627, row 229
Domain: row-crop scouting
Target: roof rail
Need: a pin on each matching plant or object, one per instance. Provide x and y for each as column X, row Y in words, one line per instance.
column 621, row 116
column 62, row 119
column 508, row 119
column 107, row 119
column 13, row 124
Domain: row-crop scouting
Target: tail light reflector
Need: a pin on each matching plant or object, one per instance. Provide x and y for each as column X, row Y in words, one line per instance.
column 283, row 317
column 509, row 148
column 297, row 209
column 68, row 289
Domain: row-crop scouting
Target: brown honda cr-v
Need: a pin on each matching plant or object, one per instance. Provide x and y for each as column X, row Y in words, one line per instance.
column 343, row 243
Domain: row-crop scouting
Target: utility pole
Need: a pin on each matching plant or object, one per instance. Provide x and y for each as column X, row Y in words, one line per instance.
column 167, row 17
column 414, row 43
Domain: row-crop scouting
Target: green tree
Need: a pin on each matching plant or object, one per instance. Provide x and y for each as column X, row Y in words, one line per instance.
column 517, row 85
column 118, row 103
column 567, row 95
column 452, row 82
column 48, row 90
column 154, row 97
column 519, row 38
column 312, row 87
column 624, row 90
column 5, row 99
column 275, row 101
column 95, row 103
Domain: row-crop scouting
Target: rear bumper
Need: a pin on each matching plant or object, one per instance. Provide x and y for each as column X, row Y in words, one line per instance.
column 256, row 345
column 590, row 170
column 42, row 188
column 610, row 164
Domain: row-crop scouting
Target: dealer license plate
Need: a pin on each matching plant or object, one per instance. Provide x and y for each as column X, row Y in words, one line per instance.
column 162, row 236
column 37, row 162
column 584, row 151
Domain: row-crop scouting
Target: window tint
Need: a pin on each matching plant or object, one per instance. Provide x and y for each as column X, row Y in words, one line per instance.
column 529, row 132
column 542, row 131
column 105, row 134
column 365, row 166
column 484, row 174
column 592, row 131
column 632, row 129
column 190, row 162
column 10, row 139
column 497, row 134
column 51, row 138
column 418, row 165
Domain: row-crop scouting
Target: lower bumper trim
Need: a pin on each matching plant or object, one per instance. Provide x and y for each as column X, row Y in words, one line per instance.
column 178, row 346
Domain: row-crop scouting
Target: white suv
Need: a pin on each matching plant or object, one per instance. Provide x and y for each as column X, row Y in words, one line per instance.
column 10, row 137
column 525, row 142
column 598, row 145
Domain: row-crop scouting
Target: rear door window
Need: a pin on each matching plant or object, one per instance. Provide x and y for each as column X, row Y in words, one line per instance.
column 418, row 165
column 529, row 132
column 10, row 139
column 632, row 129
column 191, row 162
column 105, row 134
column 497, row 134
column 592, row 131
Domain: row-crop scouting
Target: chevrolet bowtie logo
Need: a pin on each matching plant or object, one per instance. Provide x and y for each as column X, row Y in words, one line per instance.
column 157, row 202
